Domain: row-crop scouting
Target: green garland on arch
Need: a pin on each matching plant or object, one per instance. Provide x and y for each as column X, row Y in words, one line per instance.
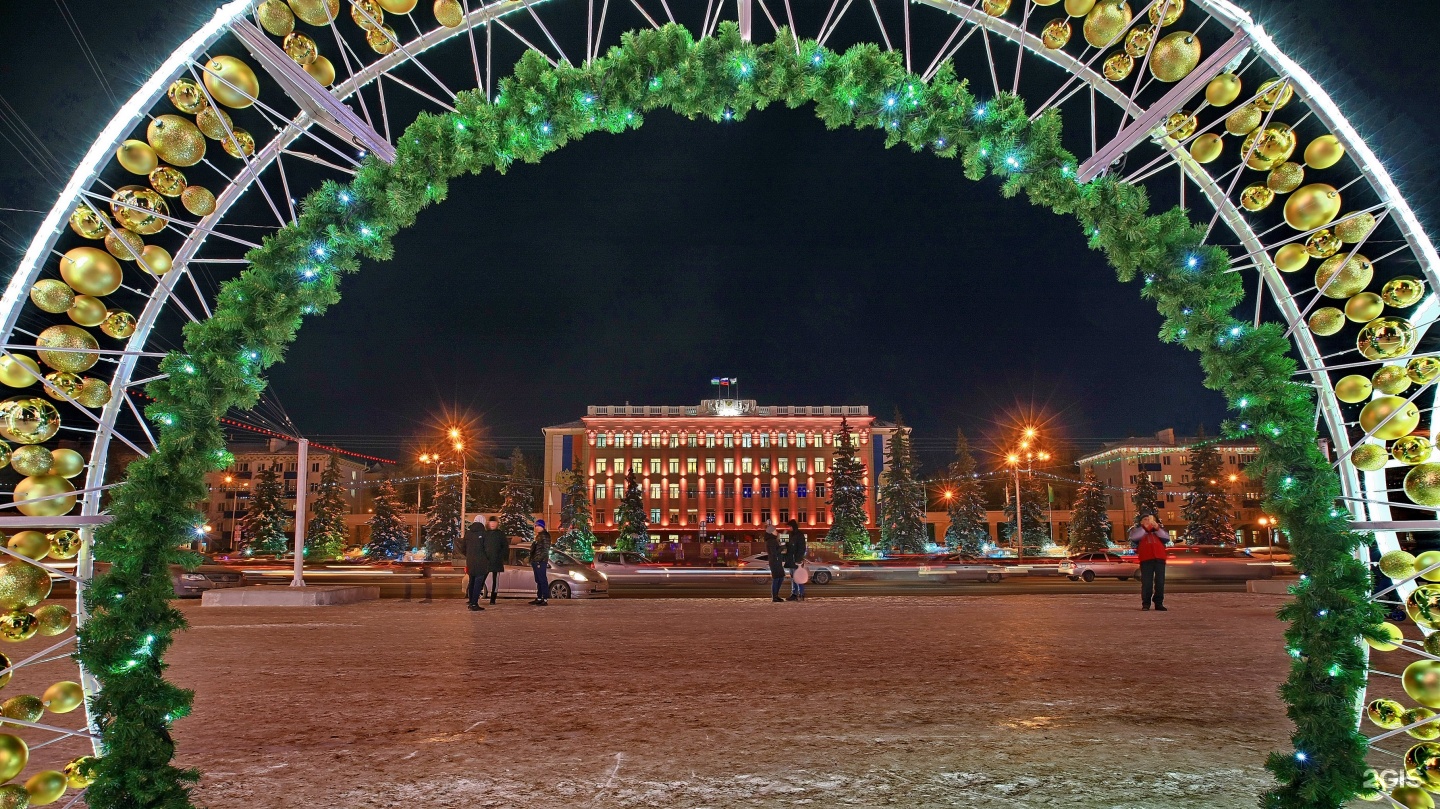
column 540, row 109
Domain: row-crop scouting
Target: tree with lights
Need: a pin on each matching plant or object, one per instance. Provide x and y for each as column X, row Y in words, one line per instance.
column 517, row 506
column 1033, row 499
column 576, row 534
column 1146, row 500
column 1207, row 507
column 969, row 530
column 388, row 535
column 847, row 496
column 1090, row 528
column 263, row 527
column 326, row 534
column 443, row 529
column 630, row 516
column 901, row 496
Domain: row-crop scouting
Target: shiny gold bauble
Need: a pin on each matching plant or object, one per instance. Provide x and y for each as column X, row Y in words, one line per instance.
column 68, row 337
column 1392, row 638
column 61, row 382
column 1324, row 152
column 177, row 140
column 1322, row 244
column 381, row 40
column 168, row 181
column 1223, row 90
column 52, row 620
column 87, row 310
column 1422, row 486
column 137, row 157
column 317, row 12
column 322, row 71
column 29, row 544
column 1291, row 258
column 1426, row 731
column 1243, row 120
column 398, row 6
column 995, row 8
column 29, row 421
column 79, row 773
column 366, row 13
column 1118, row 66
column 240, row 143
column 275, row 17
column 1175, row 56
column 52, row 296
column 139, row 209
column 1207, row 147
column 1422, row 762
column 1427, row 560
column 18, row 626
column 123, row 244
column 1370, row 457
column 93, row 392
column 90, row 271
column 1137, row 42
column 213, row 123
column 1412, row 798
column 64, row 544
column 1364, row 308
column 31, row 459
column 29, row 490
column 1326, row 320
column 1078, row 8
column 1313, row 206
column 198, row 200
column 1390, row 379
column 1256, row 197
column 23, row 707
column 1404, row 421
column 1172, row 11
column 187, row 96
column 14, row 796
column 1056, row 33
column 1286, row 177
column 22, row 585
column 1421, row 680
column 300, row 48
column 450, row 14
column 45, row 787
column 231, row 82
column 1277, row 142
column 118, row 323
column 1386, row 338
column 1274, row 94
column 1181, row 125
column 1354, row 229
column 1385, row 713
column 63, row 697
column 18, row 371
column 1411, row 450
column 1423, row 370
column 1351, row 274
column 14, row 755
column 1103, row 25
column 155, row 259
column 88, row 222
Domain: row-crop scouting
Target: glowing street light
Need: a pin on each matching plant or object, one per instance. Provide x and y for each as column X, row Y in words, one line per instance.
column 1031, row 436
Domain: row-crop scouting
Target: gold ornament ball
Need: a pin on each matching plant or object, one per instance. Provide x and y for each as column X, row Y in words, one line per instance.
column 1423, row 370
column 64, row 697
column 177, row 140
column 1313, row 206
column 29, row 544
column 79, row 773
column 1392, row 638
column 231, row 82
column 91, row 271
column 155, row 260
column 321, row 70
column 1422, row 762
column 995, row 8
column 1103, row 25
column 381, row 40
column 213, row 123
column 1412, row 450
column 93, row 392
column 450, row 14
column 31, row 459
column 1355, row 228
column 17, row 626
column 18, row 371
column 1390, row 379
column 300, row 48
column 239, row 143
column 1274, row 94
column 1078, row 8
column 1056, row 34
column 275, row 17
column 137, row 157
column 401, row 6
column 1243, row 120
column 88, row 222
column 1386, row 338
column 61, row 382
column 366, row 13
column 1369, row 457
column 51, row 295
column 1403, row 417
column 14, row 796
column 23, row 707
column 1351, row 273
column 52, row 620
column 1412, row 798
column 1403, row 292
column 1364, row 307
column 1427, row 731
column 1322, row 244
column 198, row 200
column 1223, row 90
column 1324, row 152
column 87, row 311
column 1118, row 67
column 316, row 12
column 1291, row 258
column 68, row 337
column 139, row 209
column 22, row 585
column 14, row 755
column 123, row 244
column 33, row 488
column 46, row 787
column 1175, row 56
column 168, row 181
column 187, row 96
column 1207, row 148
column 1421, row 681
column 1422, row 484
column 118, row 323
column 1286, row 177
column 1172, row 11
column 1137, row 42
column 29, row 421
column 1181, row 125
column 1256, row 197
column 1385, row 713
column 64, row 544
column 4, row 664
column 1326, row 320
column 1427, row 559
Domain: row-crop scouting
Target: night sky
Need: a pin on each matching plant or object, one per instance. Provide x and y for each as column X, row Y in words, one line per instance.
column 816, row 266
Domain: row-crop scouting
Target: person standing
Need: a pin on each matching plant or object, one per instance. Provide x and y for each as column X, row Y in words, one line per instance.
column 1150, row 540
column 795, row 553
column 776, row 557
column 539, row 562
column 477, row 566
column 497, row 547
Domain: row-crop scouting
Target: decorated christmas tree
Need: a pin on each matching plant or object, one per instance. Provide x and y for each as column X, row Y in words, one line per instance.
column 969, row 529
column 517, row 505
column 262, row 529
column 1090, row 526
column 388, row 535
column 1146, row 500
column 326, row 534
column 847, row 496
column 901, row 496
column 576, row 534
column 1207, row 507
column 1034, row 508
column 630, row 516
column 443, row 529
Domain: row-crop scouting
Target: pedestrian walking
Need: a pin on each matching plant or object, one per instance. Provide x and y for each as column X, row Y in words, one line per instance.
column 477, row 566
column 1150, row 540
column 539, row 562
column 497, row 547
column 776, row 557
column 795, row 553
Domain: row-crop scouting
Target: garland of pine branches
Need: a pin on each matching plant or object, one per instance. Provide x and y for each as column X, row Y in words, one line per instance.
column 541, row 108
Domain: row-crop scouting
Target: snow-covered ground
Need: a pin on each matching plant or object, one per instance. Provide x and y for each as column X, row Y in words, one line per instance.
column 992, row 701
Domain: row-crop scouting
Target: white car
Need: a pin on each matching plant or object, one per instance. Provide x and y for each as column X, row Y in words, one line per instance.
column 1100, row 565
column 569, row 577
column 962, row 567
column 820, row 572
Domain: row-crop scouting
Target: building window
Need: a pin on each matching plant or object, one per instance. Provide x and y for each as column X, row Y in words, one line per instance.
column 764, row 440
column 601, row 464
column 710, row 515
column 600, row 491
column 710, row 492
column 600, row 440
column 764, row 515
column 802, row 440
column 1165, row 460
column 747, row 466
column 692, row 492
column 675, row 490
column 637, row 465
column 674, row 516
column 729, row 441
column 819, row 490
column 765, row 490
column 709, row 466
column 784, row 490
column 819, row 466
column 784, row 465
column 782, row 441
column 801, row 515
column 1168, row 480
column 784, row 515
column 747, row 491
column 729, row 492
column 654, row 516
column 729, row 466
column 801, row 490
column 745, row 440
column 314, row 467
column 674, row 440
column 764, row 464
column 691, row 439
column 691, row 466
column 599, row 515
column 748, row 516
column 654, row 466
column 654, row 491
column 799, row 466
column 710, row 441
column 729, row 517
column 674, row 466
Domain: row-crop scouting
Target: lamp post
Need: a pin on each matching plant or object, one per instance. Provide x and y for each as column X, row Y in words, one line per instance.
column 459, row 444
column 1025, row 451
column 425, row 458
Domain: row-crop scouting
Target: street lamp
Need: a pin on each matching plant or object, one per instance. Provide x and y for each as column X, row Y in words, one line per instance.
column 1027, row 454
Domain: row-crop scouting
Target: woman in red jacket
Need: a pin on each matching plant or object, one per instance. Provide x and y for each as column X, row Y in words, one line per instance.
column 1151, row 540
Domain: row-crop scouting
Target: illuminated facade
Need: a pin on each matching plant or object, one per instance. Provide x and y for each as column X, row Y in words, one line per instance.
column 712, row 471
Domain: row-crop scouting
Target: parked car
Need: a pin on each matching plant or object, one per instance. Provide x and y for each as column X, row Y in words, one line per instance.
column 1270, row 554
column 569, row 577
column 208, row 576
column 820, row 572
column 953, row 567
column 1090, row 566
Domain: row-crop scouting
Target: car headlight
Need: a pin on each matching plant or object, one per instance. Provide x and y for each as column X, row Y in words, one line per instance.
column 192, row 577
column 603, row 577
column 578, row 576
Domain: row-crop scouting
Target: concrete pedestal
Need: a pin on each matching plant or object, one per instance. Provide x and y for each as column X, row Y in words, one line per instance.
column 267, row 595
column 1269, row 587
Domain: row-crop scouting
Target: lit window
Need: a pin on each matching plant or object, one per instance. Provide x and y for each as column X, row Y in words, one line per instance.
column 654, row 491
column 675, row 490
column 710, row 440
column 782, row 441
column 600, row 491
column 690, row 439
column 729, row 466
column 747, row 465
column 799, row 466
column 600, row 440
column 654, row 466
column 601, row 464
column 655, row 441
column 674, row 440
column 784, row 465
column 654, row 515
column 764, row 464
column 801, row 490
column 691, row 465
column 745, row 440
column 674, row 466
column 819, row 466
column 747, row 491
column 637, row 465
column 800, row 440
column 764, row 440
column 729, row 440
column 709, row 465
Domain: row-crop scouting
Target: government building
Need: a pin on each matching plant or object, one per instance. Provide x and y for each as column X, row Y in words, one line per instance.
column 712, row 472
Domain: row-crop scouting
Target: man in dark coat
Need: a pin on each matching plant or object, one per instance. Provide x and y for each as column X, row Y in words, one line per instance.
column 477, row 565
column 776, row 557
column 795, row 552
column 496, row 548
column 539, row 562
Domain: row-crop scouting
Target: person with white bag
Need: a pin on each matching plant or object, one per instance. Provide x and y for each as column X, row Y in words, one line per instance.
column 795, row 552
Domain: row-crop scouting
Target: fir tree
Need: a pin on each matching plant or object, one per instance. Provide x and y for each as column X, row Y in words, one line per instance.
column 630, row 516
column 1207, row 509
column 577, row 536
column 517, row 505
column 262, row 529
column 442, row 531
column 901, row 496
column 1034, row 498
column 388, row 535
column 1146, row 500
column 1090, row 522
column 326, row 534
column 969, row 529
column 847, row 496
